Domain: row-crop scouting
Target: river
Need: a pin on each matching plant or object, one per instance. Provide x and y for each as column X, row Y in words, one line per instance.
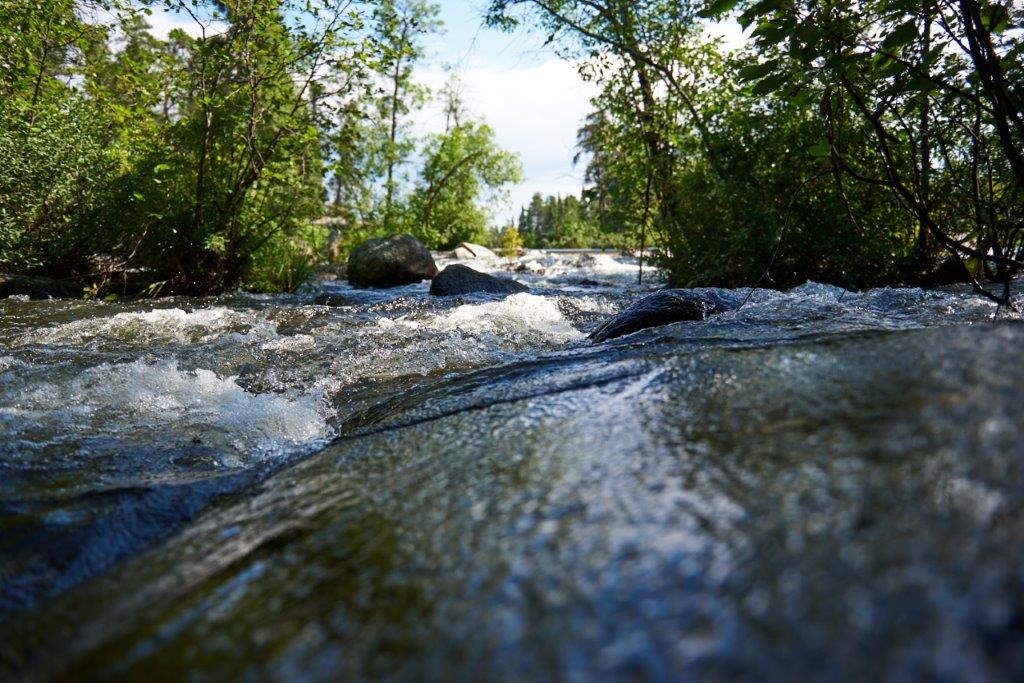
column 821, row 485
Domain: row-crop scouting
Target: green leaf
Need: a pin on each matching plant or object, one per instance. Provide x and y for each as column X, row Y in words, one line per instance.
column 717, row 8
column 995, row 17
column 821, row 149
column 900, row 36
column 753, row 72
column 160, row 168
column 769, row 84
column 888, row 68
column 758, row 9
column 920, row 84
column 769, row 33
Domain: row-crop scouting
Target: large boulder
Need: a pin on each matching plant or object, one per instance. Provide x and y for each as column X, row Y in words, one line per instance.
column 468, row 250
column 390, row 261
column 666, row 307
column 460, row 279
column 37, row 287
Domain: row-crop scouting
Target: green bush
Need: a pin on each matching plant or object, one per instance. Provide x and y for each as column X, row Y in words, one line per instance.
column 775, row 210
column 56, row 162
column 286, row 261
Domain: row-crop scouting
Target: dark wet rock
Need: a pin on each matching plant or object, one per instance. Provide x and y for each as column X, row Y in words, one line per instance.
column 666, row 307
column 460, row 279
column 333, row 299
column 587, row 282
column 390, row 261
column 38, row 287
column 586, row 261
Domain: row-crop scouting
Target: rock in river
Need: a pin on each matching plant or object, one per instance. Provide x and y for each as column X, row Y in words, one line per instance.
column 37, row 287
column 334, row 299
column 460, row 279
column 390, row 262
column 663, row 308
column 468, row 250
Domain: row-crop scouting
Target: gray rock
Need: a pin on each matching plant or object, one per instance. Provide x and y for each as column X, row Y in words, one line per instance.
column 390, row 261
column 460, row 279
column 663, row 308
column 468, row 250
column 37, row 287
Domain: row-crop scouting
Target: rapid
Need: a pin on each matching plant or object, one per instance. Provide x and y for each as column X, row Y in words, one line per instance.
column 387, row 485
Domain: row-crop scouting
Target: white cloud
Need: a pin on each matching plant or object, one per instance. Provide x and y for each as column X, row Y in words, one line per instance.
column 730, row 32
column 535, row 112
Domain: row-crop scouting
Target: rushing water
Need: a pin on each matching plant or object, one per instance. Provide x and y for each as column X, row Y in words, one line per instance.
column 823, row 484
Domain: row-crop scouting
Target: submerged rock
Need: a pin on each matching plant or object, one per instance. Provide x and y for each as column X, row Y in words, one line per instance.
column 460, row 279
column 334, row 299
column 468, row 250
column 390, row 261
column 663, row 308
column 37, row 287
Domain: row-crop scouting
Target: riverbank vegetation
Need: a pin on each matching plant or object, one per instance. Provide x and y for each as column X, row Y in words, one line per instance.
column 203, row 162
column 570, row 222
column 858, row 144
column 853, row 143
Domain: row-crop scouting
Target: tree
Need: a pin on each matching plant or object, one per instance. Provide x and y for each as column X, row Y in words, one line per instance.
column 644, row 43
column 510, row 241
column 914, row 77
column 562, row 222
column 240, row 167
column 916, row 99
column 398, row 31
column 461, row 168
column 196, row 162
column 54, row 142
column 43, row 46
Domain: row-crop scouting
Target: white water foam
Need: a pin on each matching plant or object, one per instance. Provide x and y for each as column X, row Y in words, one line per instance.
column 604, row 264
column 520, row 314
column 174, row 404
column 552, row 267
column 162, row 324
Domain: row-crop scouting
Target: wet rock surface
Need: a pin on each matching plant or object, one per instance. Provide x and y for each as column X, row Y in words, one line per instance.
column 664, row 308
column 390, row 261
column 460, row 279
column 820, row 485
column 38, row 287
column 334, row 299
